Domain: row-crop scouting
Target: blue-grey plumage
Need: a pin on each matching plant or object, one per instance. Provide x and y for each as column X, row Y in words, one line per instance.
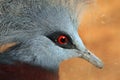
column 29, row 22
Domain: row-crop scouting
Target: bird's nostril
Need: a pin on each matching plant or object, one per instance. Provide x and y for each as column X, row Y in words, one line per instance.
column 88, row 53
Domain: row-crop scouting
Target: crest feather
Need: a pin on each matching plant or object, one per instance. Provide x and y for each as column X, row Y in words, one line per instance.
column 75, row 7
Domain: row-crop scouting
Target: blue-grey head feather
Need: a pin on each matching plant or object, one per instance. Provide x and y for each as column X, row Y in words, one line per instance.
column 28, row 22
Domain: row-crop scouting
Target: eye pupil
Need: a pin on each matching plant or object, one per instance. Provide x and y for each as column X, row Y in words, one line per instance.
column 62, row 39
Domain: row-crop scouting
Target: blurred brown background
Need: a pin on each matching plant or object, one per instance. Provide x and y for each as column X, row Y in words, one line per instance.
column 100, row 31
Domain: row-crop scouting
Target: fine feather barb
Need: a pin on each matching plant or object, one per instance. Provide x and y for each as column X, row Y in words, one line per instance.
column 75, row 7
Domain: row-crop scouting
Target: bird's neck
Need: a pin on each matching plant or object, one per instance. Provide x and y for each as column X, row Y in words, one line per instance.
column 26, row 72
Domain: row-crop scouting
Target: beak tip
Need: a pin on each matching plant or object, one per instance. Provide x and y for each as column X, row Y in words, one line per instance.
column 101, row 65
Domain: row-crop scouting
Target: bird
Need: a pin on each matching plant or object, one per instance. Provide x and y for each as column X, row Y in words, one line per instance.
column 37, row 35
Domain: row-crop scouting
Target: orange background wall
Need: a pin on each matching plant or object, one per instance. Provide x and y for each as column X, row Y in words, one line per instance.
column 100, row 31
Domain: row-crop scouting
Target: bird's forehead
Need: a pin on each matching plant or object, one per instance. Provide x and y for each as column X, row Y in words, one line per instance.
column 58, row 19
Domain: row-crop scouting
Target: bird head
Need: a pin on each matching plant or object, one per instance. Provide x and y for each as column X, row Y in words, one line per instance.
column 45, row 33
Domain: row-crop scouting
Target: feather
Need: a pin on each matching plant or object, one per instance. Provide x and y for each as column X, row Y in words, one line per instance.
column 74, row 7
column 20, row 16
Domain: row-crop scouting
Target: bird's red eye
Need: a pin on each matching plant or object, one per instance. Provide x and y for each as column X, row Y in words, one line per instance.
column 62, row 39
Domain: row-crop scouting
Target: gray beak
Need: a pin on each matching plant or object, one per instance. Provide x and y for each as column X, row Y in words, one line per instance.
column 90, row 57
column 86, row 54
